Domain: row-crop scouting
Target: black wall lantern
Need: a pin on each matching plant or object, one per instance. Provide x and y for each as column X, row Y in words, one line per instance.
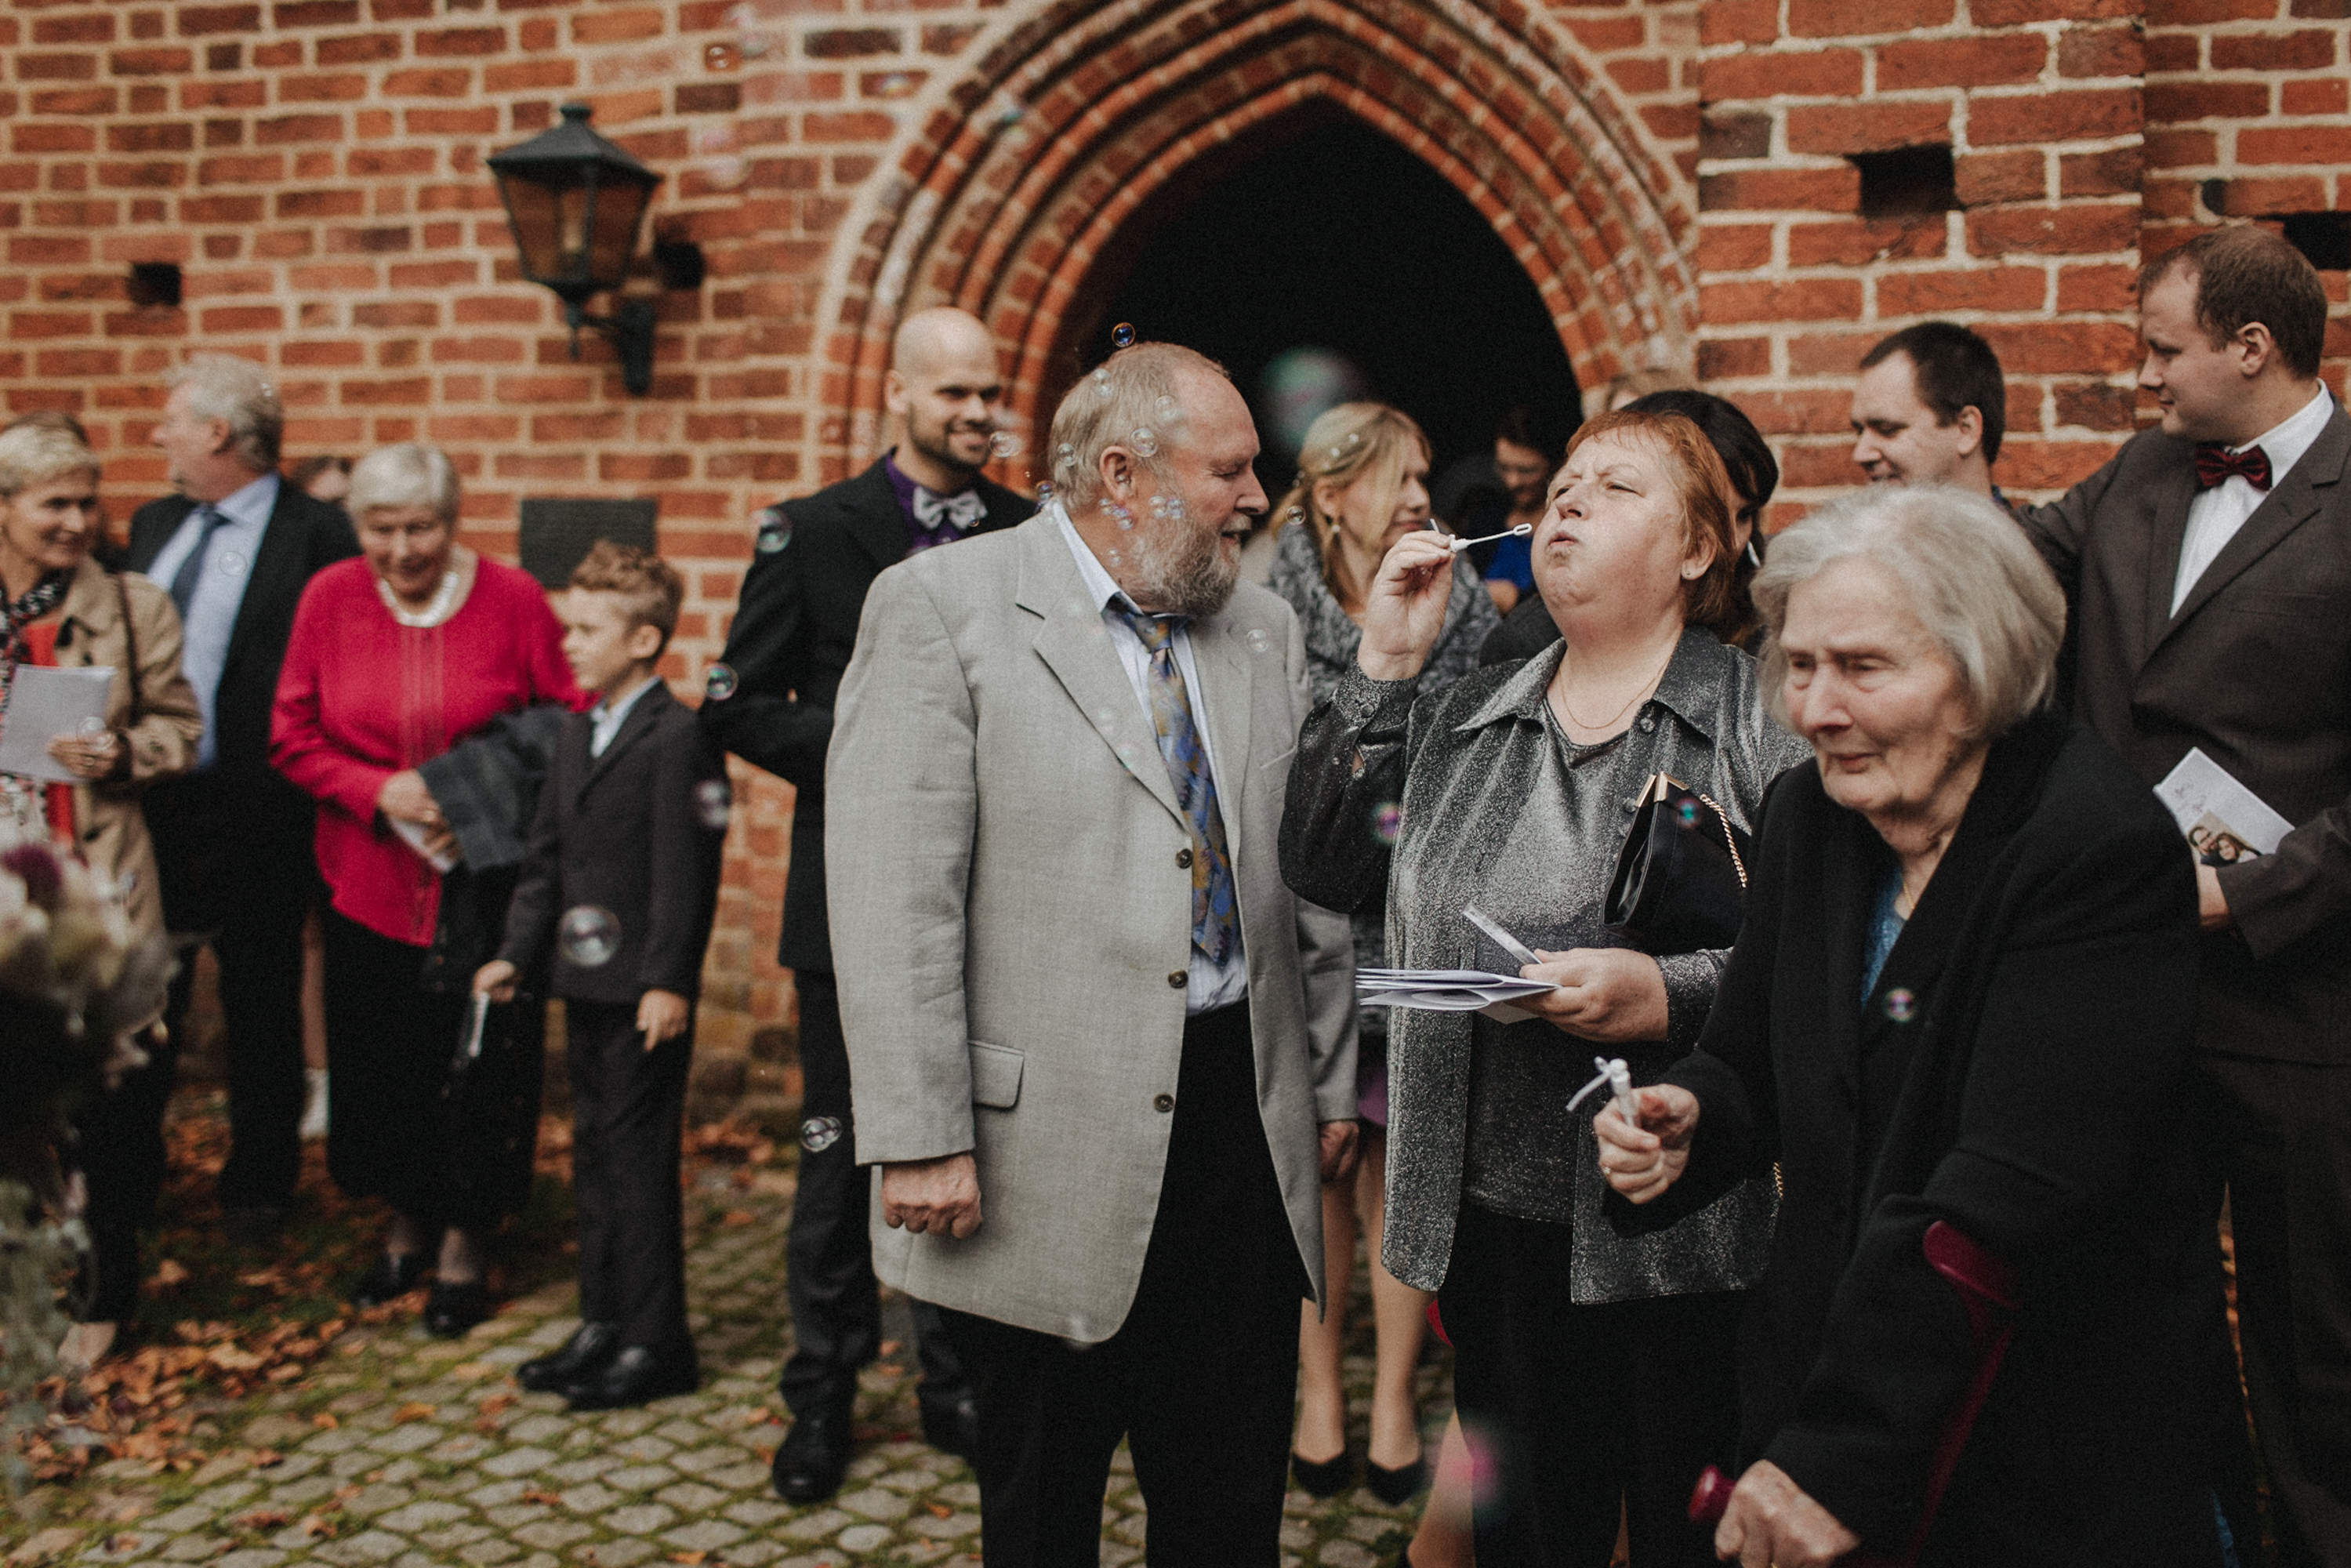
column 577, row 203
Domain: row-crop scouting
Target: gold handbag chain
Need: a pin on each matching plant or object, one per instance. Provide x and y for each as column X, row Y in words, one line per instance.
column 1721, row 818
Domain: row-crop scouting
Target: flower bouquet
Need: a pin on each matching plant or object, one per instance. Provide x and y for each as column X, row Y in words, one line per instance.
column 75, row 988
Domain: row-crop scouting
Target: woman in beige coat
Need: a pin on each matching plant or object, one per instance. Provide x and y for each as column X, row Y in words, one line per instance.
column 62, row 609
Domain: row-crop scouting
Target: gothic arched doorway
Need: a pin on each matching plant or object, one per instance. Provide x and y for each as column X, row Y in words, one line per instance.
column 1019, row 197
column 1318, row 232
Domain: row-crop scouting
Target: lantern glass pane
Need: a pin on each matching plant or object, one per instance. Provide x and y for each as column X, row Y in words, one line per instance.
column 618, row 216
column 534, row 211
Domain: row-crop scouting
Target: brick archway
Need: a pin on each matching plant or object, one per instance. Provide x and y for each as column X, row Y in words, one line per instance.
column 1069, row 125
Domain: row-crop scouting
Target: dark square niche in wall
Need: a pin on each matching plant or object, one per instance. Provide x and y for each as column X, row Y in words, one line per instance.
column 557, row 533
column 2324, row 238
column 1907, row 182
column 154, row 283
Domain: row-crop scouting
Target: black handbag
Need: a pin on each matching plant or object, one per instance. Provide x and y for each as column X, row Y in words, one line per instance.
column 1680, row 882
column 490, row 1105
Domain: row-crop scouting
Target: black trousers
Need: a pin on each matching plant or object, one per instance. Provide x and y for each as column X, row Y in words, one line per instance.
column 119, row 1148
column 2279, row 1134
column 829, row 1253
column 238, row 872
column 389, row 1046
column 1584, row 1409
column 627, row 1103
column 1201, row 1377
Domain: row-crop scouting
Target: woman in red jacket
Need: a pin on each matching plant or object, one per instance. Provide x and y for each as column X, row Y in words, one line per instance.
column 395, row 656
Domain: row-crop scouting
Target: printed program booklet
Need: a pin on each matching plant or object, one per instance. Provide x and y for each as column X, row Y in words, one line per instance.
column 2225, row 822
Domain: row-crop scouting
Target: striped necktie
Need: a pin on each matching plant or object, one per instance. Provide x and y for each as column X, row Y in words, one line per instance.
column 1216, row 922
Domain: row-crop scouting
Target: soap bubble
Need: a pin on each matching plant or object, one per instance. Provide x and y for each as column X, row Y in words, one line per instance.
column 588, row 935
column 1900, row 1005
column 1101, row 381
column 1687, row 812
column 712, row 798
column 718, row 685
column 230, row 564
column 1004, row 444
column 1169, row 410
column 818, row 1134
column 1296, row 515
column 1122, row 335
column 1145, row 442
column 1387, row 823
column 774, row 529
column 718, row 57
column 91, row 725
column 1258, row 642
column 1064, row 456
column 1044, row 491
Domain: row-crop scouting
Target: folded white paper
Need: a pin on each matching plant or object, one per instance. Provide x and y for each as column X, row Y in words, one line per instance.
column 1448, row 991
column 45, row 703
column 2220, row 817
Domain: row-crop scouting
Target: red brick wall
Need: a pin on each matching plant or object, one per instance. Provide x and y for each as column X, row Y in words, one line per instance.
column 2249, row 116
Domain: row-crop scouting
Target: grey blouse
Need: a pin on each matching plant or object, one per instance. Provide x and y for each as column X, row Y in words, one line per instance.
column 1499, row 808
column 1331, row 640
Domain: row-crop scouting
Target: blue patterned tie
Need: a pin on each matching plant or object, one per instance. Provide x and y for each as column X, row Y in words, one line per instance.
column 209, row 519
column 1215, row 924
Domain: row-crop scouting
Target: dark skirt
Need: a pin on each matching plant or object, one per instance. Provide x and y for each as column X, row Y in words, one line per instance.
column 393, row 1131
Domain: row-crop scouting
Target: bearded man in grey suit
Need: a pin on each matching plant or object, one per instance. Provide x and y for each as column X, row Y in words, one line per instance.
column 1102, row 1056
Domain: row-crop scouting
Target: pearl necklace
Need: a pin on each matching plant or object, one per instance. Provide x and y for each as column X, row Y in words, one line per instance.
column 432, row 615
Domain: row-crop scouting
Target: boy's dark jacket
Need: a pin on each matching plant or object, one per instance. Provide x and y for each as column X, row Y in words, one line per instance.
column 637, row 833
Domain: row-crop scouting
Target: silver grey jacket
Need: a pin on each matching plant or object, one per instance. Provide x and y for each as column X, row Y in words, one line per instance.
column 1463, row 764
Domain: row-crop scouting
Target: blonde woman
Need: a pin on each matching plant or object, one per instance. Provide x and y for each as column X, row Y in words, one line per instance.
column 1361, row 486
column 62, row 607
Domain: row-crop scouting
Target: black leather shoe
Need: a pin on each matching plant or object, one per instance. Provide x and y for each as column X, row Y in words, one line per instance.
column 814, row 1456
column 394, row 1275
column 951, row 1426
column 588, row 1352
column 635, row 1376
column 452, row 1309
column 1395, row 1487
column 1322, row 1478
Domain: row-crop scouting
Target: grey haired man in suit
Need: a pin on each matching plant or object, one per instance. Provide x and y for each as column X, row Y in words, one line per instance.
column 235, row 546
column 2209, row 572
column 1103, row 1056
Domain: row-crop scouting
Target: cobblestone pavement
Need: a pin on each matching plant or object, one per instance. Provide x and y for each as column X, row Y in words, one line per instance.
column 399, row 1450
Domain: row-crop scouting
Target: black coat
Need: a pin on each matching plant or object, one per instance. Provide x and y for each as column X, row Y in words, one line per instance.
column 789, row 644
column 637, row 832
column 2255, row 669
column 2017, row 1071
column 303, row 536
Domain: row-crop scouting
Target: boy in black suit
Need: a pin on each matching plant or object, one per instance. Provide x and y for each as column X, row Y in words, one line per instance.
column 622, row 882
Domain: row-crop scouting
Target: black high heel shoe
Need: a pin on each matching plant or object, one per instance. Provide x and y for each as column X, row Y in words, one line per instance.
column 1396, row 1487
column 1322, row 1477
column 394, row 1275
column 453, row 1308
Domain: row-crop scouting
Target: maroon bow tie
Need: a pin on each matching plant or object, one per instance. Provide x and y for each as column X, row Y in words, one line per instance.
column 2215, row 462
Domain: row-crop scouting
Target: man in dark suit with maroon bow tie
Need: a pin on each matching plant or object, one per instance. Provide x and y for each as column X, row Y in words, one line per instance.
column 2209, row 571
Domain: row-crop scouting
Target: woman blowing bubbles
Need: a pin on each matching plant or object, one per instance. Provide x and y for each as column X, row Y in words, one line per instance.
column 1963, row 994
column 1597, row 1368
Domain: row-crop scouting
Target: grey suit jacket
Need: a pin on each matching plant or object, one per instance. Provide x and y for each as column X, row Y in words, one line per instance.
column 1008, row 912
column 2255, row 669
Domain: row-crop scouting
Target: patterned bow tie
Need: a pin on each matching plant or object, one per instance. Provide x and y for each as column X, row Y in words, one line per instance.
column 2215, row 462
column 959, row 511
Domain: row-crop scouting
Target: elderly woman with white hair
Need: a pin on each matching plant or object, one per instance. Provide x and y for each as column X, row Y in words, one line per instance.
column 394, row 657
column 1956, row 1021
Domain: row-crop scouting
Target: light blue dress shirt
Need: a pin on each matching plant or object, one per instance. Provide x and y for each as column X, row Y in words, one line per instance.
column 1206, row 985
column 220, row 590
column 604, row 720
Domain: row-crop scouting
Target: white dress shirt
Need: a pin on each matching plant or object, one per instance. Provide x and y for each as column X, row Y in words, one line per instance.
column 2215, row 515
column 1206, row 985
column 604, row 720
column 219, row 591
